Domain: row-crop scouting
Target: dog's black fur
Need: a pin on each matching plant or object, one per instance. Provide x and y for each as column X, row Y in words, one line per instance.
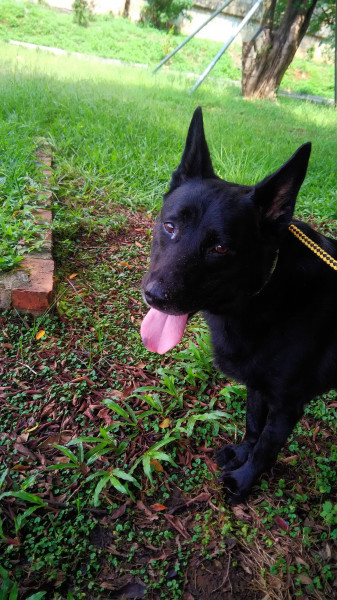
column 273, row 328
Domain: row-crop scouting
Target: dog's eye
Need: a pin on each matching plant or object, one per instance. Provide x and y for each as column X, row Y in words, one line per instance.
column 169, row 227
column 219, row 249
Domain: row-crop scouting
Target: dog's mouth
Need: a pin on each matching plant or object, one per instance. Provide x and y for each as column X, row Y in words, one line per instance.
column 161, row 332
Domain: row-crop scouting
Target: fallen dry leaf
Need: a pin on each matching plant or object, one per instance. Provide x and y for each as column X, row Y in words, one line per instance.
column 158, row 507
column 142, row 506
column 287, row 459
column 156, row 464
column 32, row 428
column 241, row 514
column 57, row 438
column 212, row 466
column 164, row 424
column 282, row 523
column 177, row 524
column 305, row 579
column 203, row 497
column 119, row 512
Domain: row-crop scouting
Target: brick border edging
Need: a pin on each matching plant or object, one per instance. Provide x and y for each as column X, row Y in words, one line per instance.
column 29, row 288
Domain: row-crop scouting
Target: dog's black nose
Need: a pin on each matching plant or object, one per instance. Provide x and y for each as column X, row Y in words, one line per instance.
column 154, row 295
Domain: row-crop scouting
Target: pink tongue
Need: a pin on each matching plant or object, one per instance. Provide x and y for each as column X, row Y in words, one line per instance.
column 161, row 332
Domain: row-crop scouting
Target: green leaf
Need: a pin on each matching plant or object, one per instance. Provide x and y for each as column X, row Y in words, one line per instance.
column 99, row 487
column 61, row 466
column 68, row 453
column 148, row 413
column 14, row 592
column 123, row 475
column 161, row 443
column 4, row 574
column 147, row 466
column 85, row 439
column 24, row 496
column 96, row 450
column 149, row 388
column 37, row 596
column 156, row 402
column 97, row 474
column 80, row 453
column 164, row 456
column 21, row 518
column 3, row 477
column 152, row 400
column 28, row 482
column 121, row 448
column 6, row 586
column 132, row 413
column 118, row 409
column 95, row 455
column 213, row 416
column 190, row 425
column 118, row 485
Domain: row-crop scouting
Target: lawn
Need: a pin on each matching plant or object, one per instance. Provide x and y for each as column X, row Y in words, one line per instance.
column 132, row 506
column 106, row 36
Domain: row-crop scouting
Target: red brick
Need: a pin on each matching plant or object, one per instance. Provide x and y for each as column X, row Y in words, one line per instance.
column 43, row 215
column 36, row 295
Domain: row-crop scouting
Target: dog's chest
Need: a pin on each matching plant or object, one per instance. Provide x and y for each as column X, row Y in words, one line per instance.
column 237, row 348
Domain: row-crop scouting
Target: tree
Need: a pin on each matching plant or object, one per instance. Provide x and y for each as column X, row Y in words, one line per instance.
column 267, row 56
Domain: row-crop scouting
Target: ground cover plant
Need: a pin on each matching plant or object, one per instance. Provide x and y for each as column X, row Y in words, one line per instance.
column 108, row 482
column 21, row 189
column 106, row 37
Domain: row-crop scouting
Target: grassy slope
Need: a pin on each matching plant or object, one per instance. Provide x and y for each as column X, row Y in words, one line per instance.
column 117, row 134
column 106, row 36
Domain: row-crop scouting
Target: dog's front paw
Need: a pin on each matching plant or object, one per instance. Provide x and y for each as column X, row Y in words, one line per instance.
column 237, row 484
column 234, row 494
column 232, row 457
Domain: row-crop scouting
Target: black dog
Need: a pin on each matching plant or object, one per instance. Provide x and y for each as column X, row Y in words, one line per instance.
column 231, row 251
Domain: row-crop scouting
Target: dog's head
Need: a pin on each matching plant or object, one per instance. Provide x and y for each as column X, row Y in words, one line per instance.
column 214, row 242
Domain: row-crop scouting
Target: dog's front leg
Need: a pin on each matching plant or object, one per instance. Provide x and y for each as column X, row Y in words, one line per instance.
column 279, row 425
column 231, row 457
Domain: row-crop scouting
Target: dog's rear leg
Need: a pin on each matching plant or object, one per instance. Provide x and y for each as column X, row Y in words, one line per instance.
column 279, row 425
column 231, row 457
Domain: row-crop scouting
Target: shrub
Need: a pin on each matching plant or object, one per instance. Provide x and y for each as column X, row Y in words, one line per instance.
column 163, row 13
column 82, row 12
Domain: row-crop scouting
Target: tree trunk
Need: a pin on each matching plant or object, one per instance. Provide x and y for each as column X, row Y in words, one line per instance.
column 126, row 9
column 267, row 56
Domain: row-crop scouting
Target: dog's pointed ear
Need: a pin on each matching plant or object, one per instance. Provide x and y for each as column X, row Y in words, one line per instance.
column 275, row 196
column 196, row 160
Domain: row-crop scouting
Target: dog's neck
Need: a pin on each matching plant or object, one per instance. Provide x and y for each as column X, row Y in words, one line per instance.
column 270, row 274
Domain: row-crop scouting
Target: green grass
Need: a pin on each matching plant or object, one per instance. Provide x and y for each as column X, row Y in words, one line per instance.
column 20, row 181
column 106, row 36
column 97, row 119
column 309, row 77
column 85, row 112
column 117, row 134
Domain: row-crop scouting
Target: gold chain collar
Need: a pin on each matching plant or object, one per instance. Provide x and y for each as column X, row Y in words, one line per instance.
column 329, row 260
